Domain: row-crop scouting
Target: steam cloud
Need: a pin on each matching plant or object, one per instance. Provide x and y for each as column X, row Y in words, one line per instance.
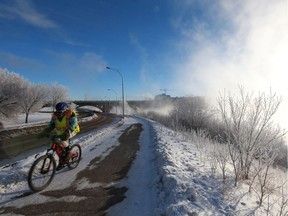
column 248, row 48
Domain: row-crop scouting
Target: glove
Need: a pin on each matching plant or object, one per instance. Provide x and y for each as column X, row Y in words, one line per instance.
column 55, row 138
column 65, row 136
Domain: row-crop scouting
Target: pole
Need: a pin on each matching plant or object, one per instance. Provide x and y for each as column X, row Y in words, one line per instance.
column 109, row 68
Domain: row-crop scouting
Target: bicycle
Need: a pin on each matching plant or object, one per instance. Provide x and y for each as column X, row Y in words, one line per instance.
column 43, row 169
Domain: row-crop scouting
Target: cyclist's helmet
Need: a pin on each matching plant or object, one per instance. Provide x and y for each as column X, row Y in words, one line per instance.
column 60, row 109
column 61, row 106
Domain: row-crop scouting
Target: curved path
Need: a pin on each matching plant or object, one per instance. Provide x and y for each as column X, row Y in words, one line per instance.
column 16, row 141
column 91, row 188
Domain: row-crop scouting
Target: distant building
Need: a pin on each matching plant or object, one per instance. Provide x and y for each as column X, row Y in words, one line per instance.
column 163, row 97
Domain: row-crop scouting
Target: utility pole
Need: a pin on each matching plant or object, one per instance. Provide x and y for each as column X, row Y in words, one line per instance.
column 109, row 68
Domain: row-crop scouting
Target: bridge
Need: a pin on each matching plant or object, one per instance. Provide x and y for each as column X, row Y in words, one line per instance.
column 103, row 105
column 107, row 105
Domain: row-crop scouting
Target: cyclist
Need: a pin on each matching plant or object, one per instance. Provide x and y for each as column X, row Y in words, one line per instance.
column 64, row 121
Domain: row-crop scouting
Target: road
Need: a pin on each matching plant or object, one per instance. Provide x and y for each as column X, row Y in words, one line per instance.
column 16, row 141
column 91, row 188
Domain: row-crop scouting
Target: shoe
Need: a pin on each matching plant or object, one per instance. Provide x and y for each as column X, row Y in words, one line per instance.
column 66, row 156
column 59, row 167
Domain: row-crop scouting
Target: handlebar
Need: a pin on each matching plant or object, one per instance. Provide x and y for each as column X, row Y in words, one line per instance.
column 55, row 138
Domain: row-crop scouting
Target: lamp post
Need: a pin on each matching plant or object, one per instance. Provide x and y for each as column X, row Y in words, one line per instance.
column 115, row 95
column 109, row 68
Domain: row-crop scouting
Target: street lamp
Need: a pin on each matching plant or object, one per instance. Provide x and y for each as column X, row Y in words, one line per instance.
column 109, row 68
column 115, row 95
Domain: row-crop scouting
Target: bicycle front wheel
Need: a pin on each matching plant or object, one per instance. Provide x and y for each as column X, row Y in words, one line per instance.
column 42, row 173
column 75, row 156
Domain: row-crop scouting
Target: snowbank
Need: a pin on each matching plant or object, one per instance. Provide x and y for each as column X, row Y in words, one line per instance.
column 170, row 176
column 187, row 186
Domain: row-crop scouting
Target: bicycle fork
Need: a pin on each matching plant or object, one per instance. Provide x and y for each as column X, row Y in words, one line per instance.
column 46, row 165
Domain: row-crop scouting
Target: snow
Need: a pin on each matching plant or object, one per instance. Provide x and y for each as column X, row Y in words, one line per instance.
column 41, row 117
column 170, row 176
column 34, row 118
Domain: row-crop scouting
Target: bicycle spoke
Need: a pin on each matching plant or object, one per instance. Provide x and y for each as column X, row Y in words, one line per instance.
column 75, row 156
column 41, row 173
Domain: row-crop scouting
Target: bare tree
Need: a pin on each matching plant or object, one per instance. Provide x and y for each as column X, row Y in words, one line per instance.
column 18, row 95
column 249, row 126
column 11, row 86
column 57, row 93
column 284, row 200
column 222, row 157
column 33, row 98
column 192, row 112
column 212, row 158
column 265, row 178
column 234, row 156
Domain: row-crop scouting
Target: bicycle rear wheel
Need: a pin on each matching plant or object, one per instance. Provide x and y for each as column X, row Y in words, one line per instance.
column 41, row 173
column 75, row 152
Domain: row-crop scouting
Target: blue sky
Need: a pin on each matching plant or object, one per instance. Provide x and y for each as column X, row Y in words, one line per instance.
column 72, row 42
column 189, row 47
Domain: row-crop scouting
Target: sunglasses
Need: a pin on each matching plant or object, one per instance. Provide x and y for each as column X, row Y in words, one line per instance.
column 60, row 112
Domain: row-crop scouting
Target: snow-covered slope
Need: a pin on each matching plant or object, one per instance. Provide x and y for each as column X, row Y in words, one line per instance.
column 170, row 176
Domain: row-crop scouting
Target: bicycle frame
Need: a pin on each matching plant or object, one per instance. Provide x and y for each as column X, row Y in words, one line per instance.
column 58, row 149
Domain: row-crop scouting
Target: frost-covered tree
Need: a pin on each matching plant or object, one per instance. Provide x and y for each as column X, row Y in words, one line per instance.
column 284, row 200
column 265, row 178
column 33, row 98
column 11, row 88
column 249, row 126
column 191, row 112
column 222, row 156
column 57, row 93
column 18, row 95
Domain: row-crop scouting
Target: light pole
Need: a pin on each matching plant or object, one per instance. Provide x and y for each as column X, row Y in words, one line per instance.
column 109, row 68
column 115, row 95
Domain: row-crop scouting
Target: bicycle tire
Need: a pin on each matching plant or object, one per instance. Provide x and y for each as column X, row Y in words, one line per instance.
column 74, row 160
column 41, row 173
